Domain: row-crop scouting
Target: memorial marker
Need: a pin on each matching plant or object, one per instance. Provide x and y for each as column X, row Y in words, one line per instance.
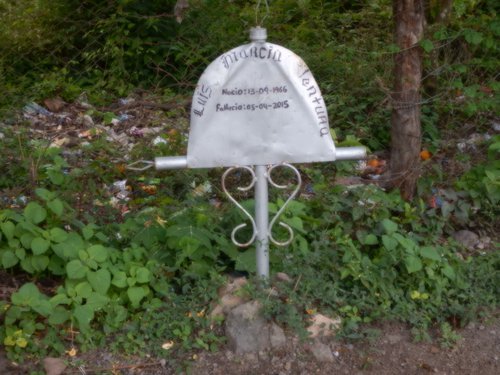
column 257, row 107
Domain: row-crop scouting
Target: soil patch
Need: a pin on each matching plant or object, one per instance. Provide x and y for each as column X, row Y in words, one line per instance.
column 389, row 350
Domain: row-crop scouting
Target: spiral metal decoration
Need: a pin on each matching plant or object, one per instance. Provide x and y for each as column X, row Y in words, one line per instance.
column 247, row 214
column 290, row 198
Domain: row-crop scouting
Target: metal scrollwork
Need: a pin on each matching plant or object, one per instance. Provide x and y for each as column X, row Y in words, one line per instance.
column 290, row 198
column 247, row 214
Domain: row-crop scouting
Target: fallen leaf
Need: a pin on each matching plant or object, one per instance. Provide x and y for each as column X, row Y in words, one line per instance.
column 54, row 104
column 168, row 345
column 425, row 155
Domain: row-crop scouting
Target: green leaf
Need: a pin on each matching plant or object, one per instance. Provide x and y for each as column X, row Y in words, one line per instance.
column 84, row 315
column 407, row 243
column 447, row 209
column 389, row 242
column 135, row 295
column 430, row 253
column 35, row 213
column 98, row 252
column 56, row 206
column 60, row 299
column 26, row 239
column 9, row 259
column 427, row 45
column 8, row 229
column 40, row 262
column 371, row 239
column 97, row 301
column 58, row 235
column 246, row 261
column 389, row 226
column 59, row 316
column 83, row 289
column 100, row 280
column 119, row 279
column 472, row 36
column 108, row 117
column 20, row 253
column 76, row 269
column 88, row 232
column 39, row 245
column 143, row 275
column 27, row 295
column 449, row 272
column 42, row 307
column 26, row 265
column 44, row 194
column 55, row 176
column 413, row 263
column 69, row 248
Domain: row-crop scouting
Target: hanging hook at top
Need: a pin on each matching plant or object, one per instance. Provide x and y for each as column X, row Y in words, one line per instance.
column 257, row 13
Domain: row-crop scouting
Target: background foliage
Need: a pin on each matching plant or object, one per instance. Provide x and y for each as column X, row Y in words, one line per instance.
column 362, row 253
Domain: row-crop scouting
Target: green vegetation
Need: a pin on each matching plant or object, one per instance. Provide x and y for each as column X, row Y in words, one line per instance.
column 92, row 273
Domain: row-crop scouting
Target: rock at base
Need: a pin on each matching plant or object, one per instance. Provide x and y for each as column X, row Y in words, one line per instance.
column 321, row 352
column 246, row 330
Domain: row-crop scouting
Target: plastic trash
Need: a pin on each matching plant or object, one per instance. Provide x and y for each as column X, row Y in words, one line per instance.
column 34, row 109
column 124, row 117
column 125, row 101
column 159, row 140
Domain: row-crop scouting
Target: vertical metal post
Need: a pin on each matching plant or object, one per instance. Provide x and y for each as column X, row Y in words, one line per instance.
column 262, row 221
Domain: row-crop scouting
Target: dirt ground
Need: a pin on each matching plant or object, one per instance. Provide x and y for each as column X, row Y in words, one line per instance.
column 390, row 350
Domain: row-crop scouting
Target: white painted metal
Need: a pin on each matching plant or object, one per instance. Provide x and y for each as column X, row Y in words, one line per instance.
column 262, row 221
column 258, row 104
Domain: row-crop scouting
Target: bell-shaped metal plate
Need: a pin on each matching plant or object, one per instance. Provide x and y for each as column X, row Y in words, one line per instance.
column 258, row 104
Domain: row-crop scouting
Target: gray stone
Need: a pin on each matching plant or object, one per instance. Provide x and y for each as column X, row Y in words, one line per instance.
column 394, row 339
column 54, row 366
column 281, row 276
column 277, row 336
column 246, row 330
column 467, row 238
column 322, row 352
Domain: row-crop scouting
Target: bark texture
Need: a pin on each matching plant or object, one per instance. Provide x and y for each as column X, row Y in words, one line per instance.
column 406, row 138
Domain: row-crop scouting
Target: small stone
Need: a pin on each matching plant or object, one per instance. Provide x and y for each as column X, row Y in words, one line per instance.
column 163, row 362
column 233, row 286
column 54, row 366
column 322, row 325
column 2, row 136
column 263, row 355
column 277, row 336
column 394, row 339
column 321, row 352
column 288, row 366
column 481, row 327
column 467, row 238
column 434, row 350
column 281, row 276
column 87, row 121
column 251, row 357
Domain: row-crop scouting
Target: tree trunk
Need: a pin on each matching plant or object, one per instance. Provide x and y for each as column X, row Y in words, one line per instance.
column 406, row 137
